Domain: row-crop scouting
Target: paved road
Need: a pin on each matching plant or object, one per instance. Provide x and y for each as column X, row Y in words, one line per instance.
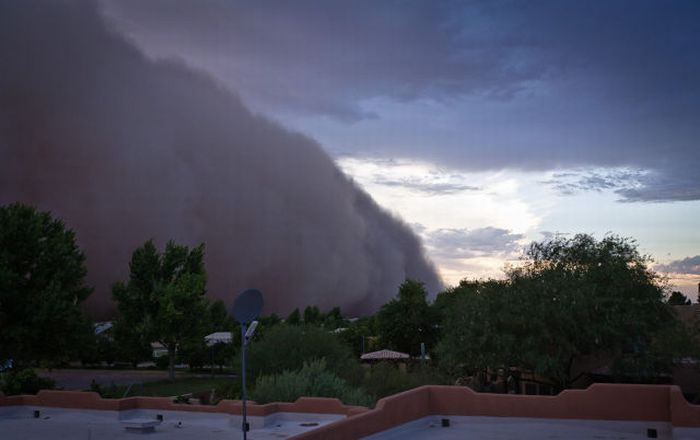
column 77, row 379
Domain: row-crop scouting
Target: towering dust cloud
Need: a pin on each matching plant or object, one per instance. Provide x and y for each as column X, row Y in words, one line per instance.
column 125, row 149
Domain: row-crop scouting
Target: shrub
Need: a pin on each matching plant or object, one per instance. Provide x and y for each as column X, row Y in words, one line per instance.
column 112, row 391
column 288, row 347
column 162, row 362
column 385, row 379
column 229, row 390
column 25, row 382
column 182, row 399
column 313, row 380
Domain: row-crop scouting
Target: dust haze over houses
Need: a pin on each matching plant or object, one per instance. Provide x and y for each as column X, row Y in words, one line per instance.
column 124, row 148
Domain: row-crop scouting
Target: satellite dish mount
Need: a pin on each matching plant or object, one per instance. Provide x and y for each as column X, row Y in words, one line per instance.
column 246, row 308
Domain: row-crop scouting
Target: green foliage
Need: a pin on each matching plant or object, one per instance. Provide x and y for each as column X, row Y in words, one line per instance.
column 312, row 315
column 678, row 299
column 182, row 399
column 24, row 382
column 42, row 287
column 475, row 326
column 162, row 362
column 385, row 378
column 334, row 319
column 97, row 349
column 407, row 320
column 571, row 298
column 269, row 321
column 364, row 328
column 113, row 391
column 294, row 318
column 164, row 298
column 313, row 380
column 194, row 350
column 287, row 347
column 230, row 389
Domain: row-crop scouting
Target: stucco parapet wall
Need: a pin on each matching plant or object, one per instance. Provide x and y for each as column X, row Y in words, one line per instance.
column 92, row 400
column 660, row 403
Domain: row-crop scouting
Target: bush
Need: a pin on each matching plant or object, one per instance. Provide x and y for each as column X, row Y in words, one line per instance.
column 385, row 379
column 113, row 391
column 25, row 382
column 289, row 347
column 313, row 380
column 229, row 390
column 162, row 362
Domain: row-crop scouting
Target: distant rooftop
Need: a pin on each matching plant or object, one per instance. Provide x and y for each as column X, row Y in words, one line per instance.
column 384, row 355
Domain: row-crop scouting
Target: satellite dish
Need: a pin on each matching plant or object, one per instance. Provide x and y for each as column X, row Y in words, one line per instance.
column 247, row 306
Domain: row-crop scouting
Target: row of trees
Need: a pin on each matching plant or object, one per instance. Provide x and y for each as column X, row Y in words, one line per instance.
column 42, row 288
column 572, row 298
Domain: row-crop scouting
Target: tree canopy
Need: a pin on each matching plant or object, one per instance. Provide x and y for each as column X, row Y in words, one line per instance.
column 407, row 320
column 571, row 297
column 164, row 299
column 287, row 347
column 678, row 299
column 42, row 286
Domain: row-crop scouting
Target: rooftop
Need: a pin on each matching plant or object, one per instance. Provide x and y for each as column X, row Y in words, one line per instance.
column 603, row 411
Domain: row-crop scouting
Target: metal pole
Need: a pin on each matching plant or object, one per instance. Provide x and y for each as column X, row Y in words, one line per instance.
column 244, row 396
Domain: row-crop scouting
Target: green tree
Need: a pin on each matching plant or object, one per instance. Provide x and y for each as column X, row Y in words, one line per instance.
column 474, row 329
column 195, row 351
column 287, row 347
column 42, row 287
column 294, row 318
column 407, row 321
column 312, row 315
column 678, row 299
column 360, row 335
column 164, row 298
column 334, row 319
column 571, row 298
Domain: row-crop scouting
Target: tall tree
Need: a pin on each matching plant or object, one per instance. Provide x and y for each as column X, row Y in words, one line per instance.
column 164, row 299
column 42, row 286
column 294, row 318
column 571, row 298
column 312, row 315
column 678, row 299
column 407, row 320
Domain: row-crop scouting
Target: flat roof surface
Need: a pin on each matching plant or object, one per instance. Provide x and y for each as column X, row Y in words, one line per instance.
column 18, row 422
column 506, row 428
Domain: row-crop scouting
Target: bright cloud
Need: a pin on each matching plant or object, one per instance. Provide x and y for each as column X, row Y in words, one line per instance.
column 470, row 223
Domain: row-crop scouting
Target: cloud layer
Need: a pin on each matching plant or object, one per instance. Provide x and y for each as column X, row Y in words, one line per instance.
column 480, row 242
column 544, row 86
column 125, row 149
column 688, row 265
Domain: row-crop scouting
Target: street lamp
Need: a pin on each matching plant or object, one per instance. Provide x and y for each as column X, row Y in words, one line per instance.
column 246, row 308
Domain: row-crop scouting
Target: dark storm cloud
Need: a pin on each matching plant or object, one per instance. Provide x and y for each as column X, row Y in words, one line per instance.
column 539, row 85
column 326, row 56
column 688, row 265
column 572, row 182
column 465, row 243
column 125, row 149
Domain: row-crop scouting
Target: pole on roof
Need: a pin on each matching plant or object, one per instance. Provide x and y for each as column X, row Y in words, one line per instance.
column 244, row 393
column 246, row 308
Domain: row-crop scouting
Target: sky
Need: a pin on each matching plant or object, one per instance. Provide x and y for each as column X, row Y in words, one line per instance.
column 484, row 125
